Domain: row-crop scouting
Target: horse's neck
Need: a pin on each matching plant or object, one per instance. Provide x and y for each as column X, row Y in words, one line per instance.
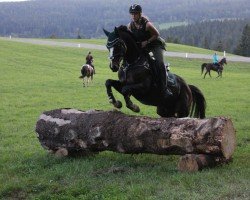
column 133, row 52
column 132, row 58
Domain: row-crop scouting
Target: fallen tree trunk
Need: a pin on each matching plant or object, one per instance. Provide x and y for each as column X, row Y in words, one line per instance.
column 72, row 131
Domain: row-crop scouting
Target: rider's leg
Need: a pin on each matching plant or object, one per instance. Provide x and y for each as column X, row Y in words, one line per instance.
column 158, row 54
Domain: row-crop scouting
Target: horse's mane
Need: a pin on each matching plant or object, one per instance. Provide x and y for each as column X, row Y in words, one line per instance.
column 126, row 30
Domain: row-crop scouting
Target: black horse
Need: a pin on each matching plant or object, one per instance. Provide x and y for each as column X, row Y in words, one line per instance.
column 137, row 78
column 210, row 66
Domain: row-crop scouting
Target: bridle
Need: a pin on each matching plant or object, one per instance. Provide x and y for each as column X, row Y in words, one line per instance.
column 119, row 43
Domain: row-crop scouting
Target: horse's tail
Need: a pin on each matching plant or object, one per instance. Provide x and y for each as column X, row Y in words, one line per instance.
column 202, row 67
column 199, row 103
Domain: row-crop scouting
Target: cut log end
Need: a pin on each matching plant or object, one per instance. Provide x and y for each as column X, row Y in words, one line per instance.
column 228, row 143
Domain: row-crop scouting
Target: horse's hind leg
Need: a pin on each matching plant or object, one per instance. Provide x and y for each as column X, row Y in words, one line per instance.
column 117, row 85
column 88, row 81
column 205, row 74
column 165, row 112
column 83, row 82
column 184, row 111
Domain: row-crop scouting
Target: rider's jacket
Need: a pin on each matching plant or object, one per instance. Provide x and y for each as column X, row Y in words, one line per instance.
column 89, row 59
column 141, row 34
column 215, row 59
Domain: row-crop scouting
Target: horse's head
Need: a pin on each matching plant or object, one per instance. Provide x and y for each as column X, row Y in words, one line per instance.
column 117, row 49
column 122, row 46
column 223, row 61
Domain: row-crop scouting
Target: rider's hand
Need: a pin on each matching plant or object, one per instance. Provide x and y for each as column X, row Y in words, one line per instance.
column 144, row 44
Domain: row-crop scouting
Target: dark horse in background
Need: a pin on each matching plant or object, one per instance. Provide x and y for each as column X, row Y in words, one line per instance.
column 87, row 72
column 210, row 66
column 136, row 78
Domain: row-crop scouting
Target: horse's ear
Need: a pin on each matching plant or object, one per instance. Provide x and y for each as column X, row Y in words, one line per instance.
column 116, row 31
column 106, row 32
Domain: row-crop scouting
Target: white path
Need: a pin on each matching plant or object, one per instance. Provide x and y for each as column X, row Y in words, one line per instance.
column 102, row 47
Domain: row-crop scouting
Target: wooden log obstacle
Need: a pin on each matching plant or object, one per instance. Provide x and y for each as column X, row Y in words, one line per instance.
column 201, row 142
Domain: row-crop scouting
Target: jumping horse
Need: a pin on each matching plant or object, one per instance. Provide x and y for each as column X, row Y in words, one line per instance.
column 87, row 72
column 210, row 66
column 137, row 78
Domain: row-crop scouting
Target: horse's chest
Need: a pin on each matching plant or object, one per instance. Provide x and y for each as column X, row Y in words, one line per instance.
column 127, row 77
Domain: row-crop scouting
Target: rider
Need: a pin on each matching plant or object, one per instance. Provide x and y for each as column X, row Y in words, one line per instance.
column 149, row 38
column 90, row 60
column 216, row 60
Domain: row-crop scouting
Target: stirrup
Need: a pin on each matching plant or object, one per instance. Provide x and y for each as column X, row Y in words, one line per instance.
column 168, row 92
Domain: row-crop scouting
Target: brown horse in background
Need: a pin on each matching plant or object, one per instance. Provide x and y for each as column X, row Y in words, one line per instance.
column 87, row 72
column 210, row 66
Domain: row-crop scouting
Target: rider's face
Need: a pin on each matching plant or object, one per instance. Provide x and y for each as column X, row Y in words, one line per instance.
column 135, row 16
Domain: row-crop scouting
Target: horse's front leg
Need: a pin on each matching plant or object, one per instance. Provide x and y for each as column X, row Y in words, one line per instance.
column 218, row 72
column 118, row 86
column 210, row 74
column 127, row 91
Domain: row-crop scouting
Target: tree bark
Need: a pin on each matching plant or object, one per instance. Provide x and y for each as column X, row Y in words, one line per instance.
column 75, row 132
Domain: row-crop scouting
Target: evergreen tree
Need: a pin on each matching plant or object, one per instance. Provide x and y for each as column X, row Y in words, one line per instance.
column 219, row 46
column 205, row 43
column 243, row 47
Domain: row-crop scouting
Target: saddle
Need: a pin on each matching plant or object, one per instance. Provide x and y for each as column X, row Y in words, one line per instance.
column 149, row 63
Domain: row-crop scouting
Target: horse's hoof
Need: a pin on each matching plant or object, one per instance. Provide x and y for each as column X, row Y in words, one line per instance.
column 118, row 104
column 134, row 108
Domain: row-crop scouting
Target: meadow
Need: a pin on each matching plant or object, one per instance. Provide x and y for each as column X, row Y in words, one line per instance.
column 36, row 78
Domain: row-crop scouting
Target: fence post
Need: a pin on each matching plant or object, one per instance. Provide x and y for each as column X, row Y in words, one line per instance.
column 186, row 55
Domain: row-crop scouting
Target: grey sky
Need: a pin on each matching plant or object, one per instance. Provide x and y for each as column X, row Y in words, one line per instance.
column 11, row 0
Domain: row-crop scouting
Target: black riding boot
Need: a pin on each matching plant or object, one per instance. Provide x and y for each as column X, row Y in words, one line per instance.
column 163, row 83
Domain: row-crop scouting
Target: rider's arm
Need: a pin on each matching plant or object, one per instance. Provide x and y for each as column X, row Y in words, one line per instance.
column 153, row 32
column 129, row 27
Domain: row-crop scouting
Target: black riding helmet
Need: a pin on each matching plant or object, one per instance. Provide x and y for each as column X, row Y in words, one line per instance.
column 135, row 8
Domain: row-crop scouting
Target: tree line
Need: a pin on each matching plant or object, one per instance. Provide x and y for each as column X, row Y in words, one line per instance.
column 222, row 35
column 86, row 19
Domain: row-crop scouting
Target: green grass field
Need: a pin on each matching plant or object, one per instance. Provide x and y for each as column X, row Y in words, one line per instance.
column 39, row 78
